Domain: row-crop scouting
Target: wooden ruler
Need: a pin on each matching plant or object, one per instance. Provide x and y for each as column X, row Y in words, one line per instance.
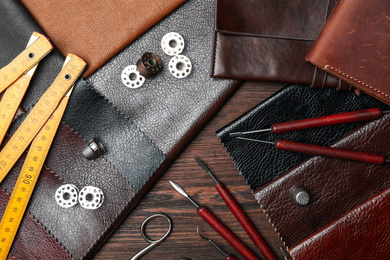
column 39, row 127
column 40, row 114
column 25, row 61
column 14, row 94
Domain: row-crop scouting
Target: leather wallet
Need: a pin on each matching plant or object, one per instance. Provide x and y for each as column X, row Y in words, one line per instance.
column 353, row 46
column 335, row 186
column 268, row 40
column 262, row 163
column 97, row 30
column 137, row 153
column 362, row 233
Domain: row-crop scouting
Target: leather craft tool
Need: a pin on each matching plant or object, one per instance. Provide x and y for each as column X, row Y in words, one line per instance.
column 15, row 78
column 342, row 118
column 218, row 226
column 39, row 127
column 227, row 256
column 152, row 243
column 244, row 220
column 324, row 151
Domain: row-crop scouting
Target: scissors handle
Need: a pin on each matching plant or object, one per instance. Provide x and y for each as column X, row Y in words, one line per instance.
column 152, row 243
column 145, row 250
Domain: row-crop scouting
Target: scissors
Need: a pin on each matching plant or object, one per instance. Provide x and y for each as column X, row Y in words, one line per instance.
column 152, row 243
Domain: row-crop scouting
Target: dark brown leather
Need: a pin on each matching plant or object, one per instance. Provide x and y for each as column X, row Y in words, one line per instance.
column 268, row 40
column 33, row 240
column 77, row 229
column 362, row 233
column 97, row 30
column 353, row 46
column 335, row 186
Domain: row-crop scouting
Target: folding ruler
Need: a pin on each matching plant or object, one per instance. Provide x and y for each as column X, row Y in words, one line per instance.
column 39, row 129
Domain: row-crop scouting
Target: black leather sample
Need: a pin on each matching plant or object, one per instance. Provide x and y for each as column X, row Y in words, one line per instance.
column 16, row 27
column 261, row 163
column 128, row 149
column 168, row 109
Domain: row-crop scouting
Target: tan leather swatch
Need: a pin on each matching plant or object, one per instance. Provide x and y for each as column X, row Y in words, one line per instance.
column 97, row 30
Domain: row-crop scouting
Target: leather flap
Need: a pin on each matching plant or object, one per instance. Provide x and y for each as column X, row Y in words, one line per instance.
column 294, row 20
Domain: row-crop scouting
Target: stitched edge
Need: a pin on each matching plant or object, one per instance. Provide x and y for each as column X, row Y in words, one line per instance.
column 356, row 80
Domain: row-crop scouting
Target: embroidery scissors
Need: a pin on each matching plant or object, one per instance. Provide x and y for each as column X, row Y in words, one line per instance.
column 152, row 243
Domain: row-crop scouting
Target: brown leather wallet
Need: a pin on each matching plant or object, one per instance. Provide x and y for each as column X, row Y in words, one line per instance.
column 268, row 40
column 97, row 30
column 354, row 46
column 335, row 186
column 362, row 233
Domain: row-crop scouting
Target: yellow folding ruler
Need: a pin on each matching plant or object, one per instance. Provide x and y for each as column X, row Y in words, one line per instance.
column 39, row 127
column 19, row 80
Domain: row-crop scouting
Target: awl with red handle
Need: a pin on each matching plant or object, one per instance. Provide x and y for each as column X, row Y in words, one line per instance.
column 336, row 119
column 324, row 151
column 218, row 226
column 244, row 220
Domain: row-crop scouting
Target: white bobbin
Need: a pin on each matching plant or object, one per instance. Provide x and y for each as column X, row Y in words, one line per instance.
column 67, row 195
column 131, row 77
column 172, row 43
column 180, row 66
column 91, row 197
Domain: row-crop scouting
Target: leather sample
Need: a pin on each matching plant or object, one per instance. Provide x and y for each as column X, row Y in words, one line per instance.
column 268, row 40
column 335, row 186
column 362, row 233
column 168, row 110
column 293, row 102
column 97, row 30
column 353, row 46
column 25, row 245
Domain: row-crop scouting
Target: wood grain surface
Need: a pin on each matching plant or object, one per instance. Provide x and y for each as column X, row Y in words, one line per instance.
column 184, row 242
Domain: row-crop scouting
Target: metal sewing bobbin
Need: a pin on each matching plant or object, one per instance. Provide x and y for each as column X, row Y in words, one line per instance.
column 149, row 65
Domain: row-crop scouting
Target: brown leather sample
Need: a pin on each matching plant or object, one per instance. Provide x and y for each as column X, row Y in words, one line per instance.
column 33, row 240
column 362, row 233
column 353, row 46
column 335, row 186
column 268, row 40
column 97, row 30
column 79, row 230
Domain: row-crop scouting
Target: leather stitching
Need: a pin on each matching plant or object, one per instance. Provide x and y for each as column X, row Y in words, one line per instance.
column 356, row 80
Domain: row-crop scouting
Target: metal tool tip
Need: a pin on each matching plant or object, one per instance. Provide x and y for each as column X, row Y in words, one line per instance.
column 197, row 231
column 235, row 134
column 204, row 167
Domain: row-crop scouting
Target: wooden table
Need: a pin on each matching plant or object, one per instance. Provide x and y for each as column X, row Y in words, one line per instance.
column 184, row 242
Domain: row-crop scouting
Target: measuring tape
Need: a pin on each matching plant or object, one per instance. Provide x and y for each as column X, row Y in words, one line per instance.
column 39, row 127
column 15, row 92
column 25, row 61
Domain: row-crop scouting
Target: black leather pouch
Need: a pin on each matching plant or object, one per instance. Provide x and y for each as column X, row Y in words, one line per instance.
column 261, row 163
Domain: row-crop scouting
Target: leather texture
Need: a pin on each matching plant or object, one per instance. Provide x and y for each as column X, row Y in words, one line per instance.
column 362, row 233
column 16, row 27
column 262, row 163
column 353, row 46
column 335, row 186
column 97, row 30
column 168, row 110
column 40, row 245
column 268, row 40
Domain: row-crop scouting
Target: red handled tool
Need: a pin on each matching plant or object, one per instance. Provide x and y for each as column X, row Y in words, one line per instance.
column 218, row 226
column 324, row 151
column 240, row 215
column 227, row 256
column 336, row 119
